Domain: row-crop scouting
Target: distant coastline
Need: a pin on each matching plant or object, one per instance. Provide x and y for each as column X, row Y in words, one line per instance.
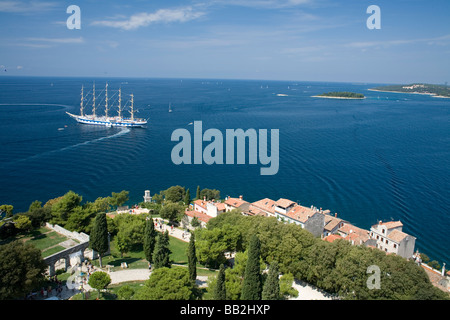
column 434, row 90
column 422, row 93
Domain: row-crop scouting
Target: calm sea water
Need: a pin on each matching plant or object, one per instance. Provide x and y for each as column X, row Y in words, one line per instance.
column 383, row 158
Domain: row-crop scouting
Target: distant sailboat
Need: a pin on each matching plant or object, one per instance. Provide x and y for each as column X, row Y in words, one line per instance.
column 170, row 107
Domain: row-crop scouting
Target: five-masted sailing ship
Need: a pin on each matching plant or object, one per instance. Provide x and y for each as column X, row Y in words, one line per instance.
column 106, row 119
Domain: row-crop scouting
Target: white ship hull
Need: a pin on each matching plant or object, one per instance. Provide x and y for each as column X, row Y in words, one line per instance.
column 109, row 121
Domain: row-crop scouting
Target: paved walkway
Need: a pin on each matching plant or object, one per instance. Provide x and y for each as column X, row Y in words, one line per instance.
column 174, row 232
column 309, row 292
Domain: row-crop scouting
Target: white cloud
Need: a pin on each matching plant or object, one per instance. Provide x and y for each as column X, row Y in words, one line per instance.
column 443, row 40
column 268, row 4
column 58, row 40
column 144, row 19
column 25, row 6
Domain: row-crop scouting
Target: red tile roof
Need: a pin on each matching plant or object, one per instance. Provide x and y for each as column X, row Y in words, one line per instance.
column 235, row 202
column 284, row 203
column 332, row 237
column 301, row 213
column 200, row 216
column 265, row 204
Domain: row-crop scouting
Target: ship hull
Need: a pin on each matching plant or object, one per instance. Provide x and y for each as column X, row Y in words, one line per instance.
column 108, row 122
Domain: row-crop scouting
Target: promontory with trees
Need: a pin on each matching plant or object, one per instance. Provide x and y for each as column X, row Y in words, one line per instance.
column 262, row 249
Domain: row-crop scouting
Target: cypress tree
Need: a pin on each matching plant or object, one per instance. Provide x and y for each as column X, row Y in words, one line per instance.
column 198, row 193
column 187, row 197
column 220, row 291
column 252, row 285
column 192, row 258
column 98, row 239
column 161, row 254
column 271, row 289
column 149, row 239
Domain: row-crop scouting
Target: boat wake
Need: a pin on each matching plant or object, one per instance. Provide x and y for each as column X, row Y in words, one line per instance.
column 122, row 132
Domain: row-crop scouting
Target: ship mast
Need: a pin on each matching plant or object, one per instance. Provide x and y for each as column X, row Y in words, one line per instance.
column 106, row 101
column 93, row 101
column 120, row 107
column 132, row 107
column 81, row 103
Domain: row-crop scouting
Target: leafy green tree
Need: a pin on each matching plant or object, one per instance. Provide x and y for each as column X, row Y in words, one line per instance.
column 22, row 222
column 39, row 216
column 220, row 289
column 195, row 222
column 98, row 239
column 158, row 198
column 81, row 218
column 130, row 235
column 161, row 254
column 21, row 269
column 62, row 209
column 271, row 288
column 210, row 247
column 8, row 209
column 210, row 194
column 286, row 289
column 175, row 194
column 125, row 293
column 192, row 258
column 102, row 204
column 167, row 284
column 118, row 199
column 252, row 285
column 35, row 205
column 99, row 280
column 150, row 235
column 172, row 211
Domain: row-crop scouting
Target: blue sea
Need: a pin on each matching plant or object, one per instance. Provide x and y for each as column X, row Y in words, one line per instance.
column 383, row 158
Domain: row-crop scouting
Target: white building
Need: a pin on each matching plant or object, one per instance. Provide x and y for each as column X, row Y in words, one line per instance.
column 391, row 239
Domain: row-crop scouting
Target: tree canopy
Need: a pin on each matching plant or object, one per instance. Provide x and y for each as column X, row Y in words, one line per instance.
column 339, row 268
column 167, row 284
column 21, row 269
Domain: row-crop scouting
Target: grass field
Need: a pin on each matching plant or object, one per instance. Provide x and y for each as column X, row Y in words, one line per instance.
column 45, row 240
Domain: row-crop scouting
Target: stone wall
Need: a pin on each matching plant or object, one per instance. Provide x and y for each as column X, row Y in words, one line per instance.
column 82, row 237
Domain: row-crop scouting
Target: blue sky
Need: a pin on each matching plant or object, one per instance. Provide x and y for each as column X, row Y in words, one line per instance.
column 303, row 40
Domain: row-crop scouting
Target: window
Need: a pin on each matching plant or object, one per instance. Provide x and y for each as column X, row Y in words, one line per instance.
column 387, row 241
column 395, row 246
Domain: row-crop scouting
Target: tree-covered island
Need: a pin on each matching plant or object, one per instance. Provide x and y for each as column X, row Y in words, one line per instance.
column 341, row 95
column 438, row 91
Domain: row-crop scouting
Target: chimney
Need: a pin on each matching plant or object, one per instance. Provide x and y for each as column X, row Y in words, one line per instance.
column 335, row 214
column 204, row 198
column 379, row 222
column 240, row 197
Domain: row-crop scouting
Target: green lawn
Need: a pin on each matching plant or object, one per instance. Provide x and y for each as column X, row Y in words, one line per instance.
column 52, row 250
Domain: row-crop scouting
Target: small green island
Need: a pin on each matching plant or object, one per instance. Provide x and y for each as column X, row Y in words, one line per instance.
column 341, row 95
column 435, row 90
